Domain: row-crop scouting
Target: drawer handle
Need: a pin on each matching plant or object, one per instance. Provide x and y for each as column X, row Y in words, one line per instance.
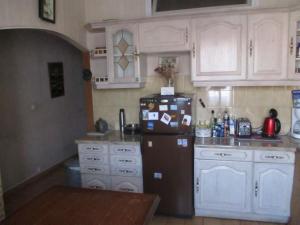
column 273, row 157
column 123, row 150
column 256, row 188
column 93, row 158
column 223, row 154
column 125, row 161
column 126, row 189
column 126, row 171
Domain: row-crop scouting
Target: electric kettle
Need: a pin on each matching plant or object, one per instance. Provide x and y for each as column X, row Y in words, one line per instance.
column 271, row 125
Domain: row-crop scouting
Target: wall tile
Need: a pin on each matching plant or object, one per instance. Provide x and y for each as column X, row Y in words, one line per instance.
column 251, row 102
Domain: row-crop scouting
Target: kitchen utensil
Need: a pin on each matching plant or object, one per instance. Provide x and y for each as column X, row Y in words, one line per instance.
column 122, row 120
column 243, row 128
column 132, row 128
column 101, row 125
column 272, row 125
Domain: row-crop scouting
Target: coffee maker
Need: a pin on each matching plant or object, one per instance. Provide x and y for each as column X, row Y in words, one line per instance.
column 295, row 127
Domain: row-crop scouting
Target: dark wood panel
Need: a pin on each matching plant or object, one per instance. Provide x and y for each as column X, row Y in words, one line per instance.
column 88, row 94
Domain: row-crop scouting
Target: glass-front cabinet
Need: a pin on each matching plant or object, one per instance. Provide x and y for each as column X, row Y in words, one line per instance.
column 123, row 56
column 294, row 54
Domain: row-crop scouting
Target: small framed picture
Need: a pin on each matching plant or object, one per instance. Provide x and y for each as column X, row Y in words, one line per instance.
column 47, row 10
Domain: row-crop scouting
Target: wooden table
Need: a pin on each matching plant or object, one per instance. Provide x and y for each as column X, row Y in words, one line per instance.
column 76, row 206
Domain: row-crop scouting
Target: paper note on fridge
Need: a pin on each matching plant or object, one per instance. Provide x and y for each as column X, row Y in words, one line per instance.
column 186, row 120
column 163, row 107
column 153, row 116
column 166, row 118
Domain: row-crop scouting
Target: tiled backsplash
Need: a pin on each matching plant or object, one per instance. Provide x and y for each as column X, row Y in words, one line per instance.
column 251, row 102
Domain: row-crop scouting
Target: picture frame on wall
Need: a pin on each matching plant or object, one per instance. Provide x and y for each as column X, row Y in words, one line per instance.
column 47, row 10
column 56, row 79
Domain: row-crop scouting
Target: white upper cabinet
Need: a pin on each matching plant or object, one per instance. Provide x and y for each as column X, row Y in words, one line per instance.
column 164, row 36
column 123, row 61
column 219, row 48
column 273, row 188
column 267, row 46
column 294, row 53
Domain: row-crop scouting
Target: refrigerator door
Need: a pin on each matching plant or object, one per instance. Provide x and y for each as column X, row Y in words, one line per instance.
column 166, row 115
column 168, row 172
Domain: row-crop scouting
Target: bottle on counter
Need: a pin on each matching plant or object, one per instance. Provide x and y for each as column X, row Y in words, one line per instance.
column 231, row 124
column 226, row 124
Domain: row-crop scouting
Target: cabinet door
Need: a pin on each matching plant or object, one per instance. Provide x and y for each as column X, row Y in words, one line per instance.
column 165, row 36
column 223, row 185
column 268, row 46
column 294, row 53
column 219, row 48
column 273, row 188
column 122, row 52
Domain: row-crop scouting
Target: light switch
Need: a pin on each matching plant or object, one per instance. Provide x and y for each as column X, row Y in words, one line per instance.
column 157, row 176
column 150, row 144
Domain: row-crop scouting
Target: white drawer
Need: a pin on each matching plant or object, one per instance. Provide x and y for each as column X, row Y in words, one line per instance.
column 94, row 169
column 127, row 184
column 274, row 156
column 124, row 149
column 125, row 160
column 92, row 148
column 223, row 154
column 126, row 171
column 96, row 181
column 93, row 158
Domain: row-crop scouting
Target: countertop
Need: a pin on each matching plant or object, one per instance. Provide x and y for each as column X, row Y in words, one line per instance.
column 112, row 136
column 283, row 143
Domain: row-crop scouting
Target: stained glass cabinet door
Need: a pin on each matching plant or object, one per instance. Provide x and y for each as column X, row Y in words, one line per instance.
column 294, row 53
column 123, row 48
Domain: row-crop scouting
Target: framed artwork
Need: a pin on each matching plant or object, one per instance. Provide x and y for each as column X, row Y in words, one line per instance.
column 47, row 10
column 56, row 79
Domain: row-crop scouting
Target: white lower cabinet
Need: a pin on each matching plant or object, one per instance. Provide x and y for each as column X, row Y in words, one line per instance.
column 95, row 181
column 223, row 185
column 111, row 166
column 259, row 189
column 273, row 188
column 133, row 184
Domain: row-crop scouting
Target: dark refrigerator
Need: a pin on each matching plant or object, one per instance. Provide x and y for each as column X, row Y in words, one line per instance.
column 167, row 151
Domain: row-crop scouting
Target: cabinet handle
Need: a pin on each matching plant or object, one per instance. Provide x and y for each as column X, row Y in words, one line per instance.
column 251, row 48
column 194, row 50
column 186, row 35
column 292, row 46
column 256, row 188
column 136, row 54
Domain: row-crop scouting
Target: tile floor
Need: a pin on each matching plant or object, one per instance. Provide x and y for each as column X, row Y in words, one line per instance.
column 18, row 197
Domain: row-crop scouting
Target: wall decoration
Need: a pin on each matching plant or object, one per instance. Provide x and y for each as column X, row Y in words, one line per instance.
column 47, row 10
column 56, row 79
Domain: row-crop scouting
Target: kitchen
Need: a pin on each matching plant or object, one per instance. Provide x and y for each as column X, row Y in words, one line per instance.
column 253, row 102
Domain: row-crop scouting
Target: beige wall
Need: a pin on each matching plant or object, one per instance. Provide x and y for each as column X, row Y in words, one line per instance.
column 98, row 10
column 251, row 102
column 70, row 18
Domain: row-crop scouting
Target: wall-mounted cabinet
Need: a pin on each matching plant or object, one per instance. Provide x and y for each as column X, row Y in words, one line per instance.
column 123, row 57
column 165, row 36
column 232, row 49
column 294, row 53
column 219, row 48
column 267, row 46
